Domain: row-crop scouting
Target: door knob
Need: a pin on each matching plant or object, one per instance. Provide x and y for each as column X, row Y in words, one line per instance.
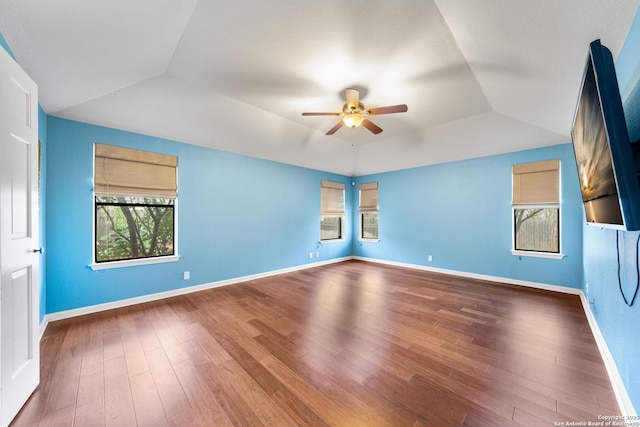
column 40, row 250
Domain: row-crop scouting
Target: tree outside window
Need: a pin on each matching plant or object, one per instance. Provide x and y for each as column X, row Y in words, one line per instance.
column 537, row 229
column 132, row 228
column 135, row 199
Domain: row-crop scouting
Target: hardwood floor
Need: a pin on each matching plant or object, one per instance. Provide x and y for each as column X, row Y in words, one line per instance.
column 352, row 343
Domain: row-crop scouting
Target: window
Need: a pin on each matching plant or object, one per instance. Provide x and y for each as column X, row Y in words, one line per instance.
column 135, row 198
column 536, row 208
column 332, row 210
column 369, row 211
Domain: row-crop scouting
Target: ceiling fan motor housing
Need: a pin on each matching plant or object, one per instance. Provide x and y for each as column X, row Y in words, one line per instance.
column 352, row 109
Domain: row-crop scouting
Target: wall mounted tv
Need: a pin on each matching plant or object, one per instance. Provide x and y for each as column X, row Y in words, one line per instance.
column 604, row 155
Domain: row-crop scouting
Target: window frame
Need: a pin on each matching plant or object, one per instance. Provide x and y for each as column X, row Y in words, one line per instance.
column 370, row 205
column 340, row 238
column 330, row 210
column 361, row 228
column 536, row 253
column 105, row 265
column 551, row 205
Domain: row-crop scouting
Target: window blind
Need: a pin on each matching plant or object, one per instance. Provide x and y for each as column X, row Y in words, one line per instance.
column 331, row 198
column 369, row 197
column 126, row 172
column 536, row 183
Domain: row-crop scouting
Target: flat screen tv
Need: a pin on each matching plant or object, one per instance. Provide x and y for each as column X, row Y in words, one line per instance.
column 603, row 152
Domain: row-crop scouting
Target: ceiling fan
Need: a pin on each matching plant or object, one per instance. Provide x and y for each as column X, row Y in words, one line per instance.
column 354, row 114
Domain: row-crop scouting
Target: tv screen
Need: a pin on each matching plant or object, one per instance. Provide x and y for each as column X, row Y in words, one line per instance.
column 604, row 157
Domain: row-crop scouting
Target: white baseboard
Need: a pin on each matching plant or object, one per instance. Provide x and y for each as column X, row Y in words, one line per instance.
column 624, row 402
column 59, row 315
column 536, row 285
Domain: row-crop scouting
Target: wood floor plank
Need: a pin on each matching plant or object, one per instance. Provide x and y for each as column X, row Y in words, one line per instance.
column 174, row 401
column 59, row 418
column 146, row 401
column 119, row 410
column 65, row 383
column 189, row 418
column 90, row 414
column 269, row 412
column 91, row 383
column 351, row 343
column 202, row 399
column 231, row 401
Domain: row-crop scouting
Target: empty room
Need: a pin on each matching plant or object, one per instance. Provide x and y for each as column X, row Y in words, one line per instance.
column 289, row 213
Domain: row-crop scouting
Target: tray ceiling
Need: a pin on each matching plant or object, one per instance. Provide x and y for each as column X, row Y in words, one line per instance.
column 480, row 78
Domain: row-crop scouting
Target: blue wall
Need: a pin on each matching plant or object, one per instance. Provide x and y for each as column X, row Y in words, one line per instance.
column 618, row 323
column 460, row 214
column 237, row 216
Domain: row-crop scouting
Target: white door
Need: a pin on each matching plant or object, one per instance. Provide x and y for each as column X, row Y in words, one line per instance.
column 19, row 239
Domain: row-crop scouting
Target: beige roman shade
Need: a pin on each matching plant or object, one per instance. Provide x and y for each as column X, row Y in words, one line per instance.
column 536, row 183
column 369, row 197
column 331, row 198
column 126, row 172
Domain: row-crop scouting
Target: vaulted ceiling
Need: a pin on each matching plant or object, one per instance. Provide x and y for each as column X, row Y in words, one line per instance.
column 479, row 77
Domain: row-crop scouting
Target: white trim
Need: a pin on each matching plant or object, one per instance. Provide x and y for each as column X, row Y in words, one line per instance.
column 535, row 254
column 330, row 241
column 622, row 397
column 181, row 291
column 133, row 262
column 43, row 327
column 369, row 240
column 506, row 280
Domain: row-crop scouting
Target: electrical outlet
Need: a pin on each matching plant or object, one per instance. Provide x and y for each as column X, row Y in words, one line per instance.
column 429, row 258
column 317, row 254
column 310, row 255
column 186, row 275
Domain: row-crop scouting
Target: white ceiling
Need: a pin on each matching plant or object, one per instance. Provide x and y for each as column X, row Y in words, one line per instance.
column 480, row 77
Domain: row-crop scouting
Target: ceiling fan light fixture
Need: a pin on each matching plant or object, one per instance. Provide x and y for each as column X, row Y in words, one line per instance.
column 354, row 114
column 353, row 120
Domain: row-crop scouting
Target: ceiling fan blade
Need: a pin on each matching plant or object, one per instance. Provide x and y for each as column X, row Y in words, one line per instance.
column 371, row 126
column 335, row 128
column 353, row 98
column 388, row 110
column 320, row 114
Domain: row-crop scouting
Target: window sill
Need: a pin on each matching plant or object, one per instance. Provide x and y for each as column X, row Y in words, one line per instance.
column 133, row 262
column 537, row 254
column 370, row 240
column 325, row 242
